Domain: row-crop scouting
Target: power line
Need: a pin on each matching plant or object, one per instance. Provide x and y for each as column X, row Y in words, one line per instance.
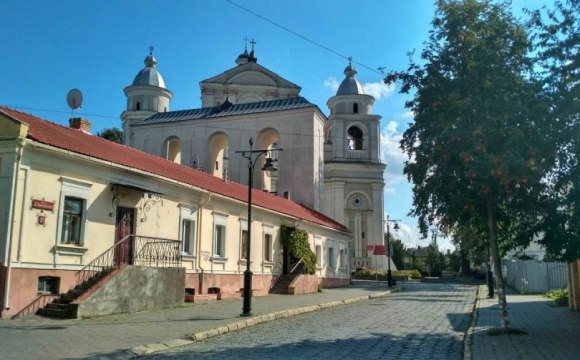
column 379, row 71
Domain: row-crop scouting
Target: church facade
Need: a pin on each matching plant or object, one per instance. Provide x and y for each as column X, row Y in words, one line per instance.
column 330, row 164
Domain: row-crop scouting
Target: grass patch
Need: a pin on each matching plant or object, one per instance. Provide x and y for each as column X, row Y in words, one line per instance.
column 509, row 331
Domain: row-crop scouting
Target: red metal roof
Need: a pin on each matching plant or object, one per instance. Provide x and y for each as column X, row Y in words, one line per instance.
column 79, row 142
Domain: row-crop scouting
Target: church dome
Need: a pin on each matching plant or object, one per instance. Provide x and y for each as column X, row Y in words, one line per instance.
column 350, row 85
column 149, row 75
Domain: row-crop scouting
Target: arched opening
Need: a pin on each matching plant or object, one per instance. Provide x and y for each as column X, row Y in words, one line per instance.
column 268, row 139
column 173, row 150
column 355, row 108
column 138, row 106
column 354, row 139
column 218, row 155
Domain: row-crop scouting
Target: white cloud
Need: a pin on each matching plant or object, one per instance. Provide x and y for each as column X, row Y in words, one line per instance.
column 408, row 114
column 331, row 83
column 411, row 237
column 393, row 156
column 379, row 90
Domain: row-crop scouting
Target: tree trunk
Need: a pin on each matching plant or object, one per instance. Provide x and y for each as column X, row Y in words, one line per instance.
column 465, row 266
column 505, row 321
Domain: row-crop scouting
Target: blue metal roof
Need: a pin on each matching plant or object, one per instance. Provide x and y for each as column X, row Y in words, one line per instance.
column 231, row 110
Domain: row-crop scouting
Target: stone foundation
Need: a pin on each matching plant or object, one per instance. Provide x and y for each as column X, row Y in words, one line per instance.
column 333, row 282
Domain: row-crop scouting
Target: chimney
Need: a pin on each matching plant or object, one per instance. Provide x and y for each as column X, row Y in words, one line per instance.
column 287, row 195
column 81, row 124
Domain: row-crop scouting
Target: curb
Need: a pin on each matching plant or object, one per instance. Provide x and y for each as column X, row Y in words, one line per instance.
column 242, row 324
column 467, row 338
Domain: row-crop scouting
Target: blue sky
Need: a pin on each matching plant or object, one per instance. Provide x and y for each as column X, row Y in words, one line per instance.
column 50, row 47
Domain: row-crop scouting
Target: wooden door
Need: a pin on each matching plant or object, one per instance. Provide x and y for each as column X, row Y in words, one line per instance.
column 123, row 228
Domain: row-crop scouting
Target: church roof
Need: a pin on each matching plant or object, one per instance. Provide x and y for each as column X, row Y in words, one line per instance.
column 350, row 85
column 232, row 110
column 76, row 141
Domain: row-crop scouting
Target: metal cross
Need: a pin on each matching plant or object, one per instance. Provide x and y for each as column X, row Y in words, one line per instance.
column 151, row 48
column 253, row 42
column 245, row 38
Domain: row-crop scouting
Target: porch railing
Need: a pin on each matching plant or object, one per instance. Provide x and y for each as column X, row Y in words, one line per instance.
column 156, row 252
column 133, row 250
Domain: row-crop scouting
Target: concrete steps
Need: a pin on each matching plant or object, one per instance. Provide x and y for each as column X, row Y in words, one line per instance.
column 281, row 286
column 60, row 307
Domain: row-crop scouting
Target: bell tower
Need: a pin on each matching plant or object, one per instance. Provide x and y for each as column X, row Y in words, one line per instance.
column 146, row 96
column 353, row 172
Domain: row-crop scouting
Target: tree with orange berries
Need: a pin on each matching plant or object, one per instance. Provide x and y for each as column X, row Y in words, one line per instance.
column 480, row 143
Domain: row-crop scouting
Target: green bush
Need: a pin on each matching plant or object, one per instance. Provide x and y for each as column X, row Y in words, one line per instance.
column 557, row 294
column 296, row 241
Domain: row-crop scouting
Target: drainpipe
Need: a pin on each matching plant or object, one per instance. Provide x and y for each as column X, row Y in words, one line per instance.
column 10, row 232
column 199, row 222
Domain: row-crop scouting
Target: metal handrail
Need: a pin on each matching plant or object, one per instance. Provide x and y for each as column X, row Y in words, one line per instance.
column 104, row 261
column 41, row 301
column 295, row 266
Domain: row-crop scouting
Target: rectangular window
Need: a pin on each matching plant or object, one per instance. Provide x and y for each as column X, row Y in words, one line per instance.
column 343, row 258
column 220, row 237
column 47, row 285
column 318, row 256
column 268, row 247
column 72, row 221
column 331, row 257
column 244, row 245
column 188, row 236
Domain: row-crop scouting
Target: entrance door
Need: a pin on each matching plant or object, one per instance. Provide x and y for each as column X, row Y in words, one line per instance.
column 123, row 228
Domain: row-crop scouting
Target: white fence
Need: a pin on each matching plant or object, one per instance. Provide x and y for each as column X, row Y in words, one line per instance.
column 532, row 276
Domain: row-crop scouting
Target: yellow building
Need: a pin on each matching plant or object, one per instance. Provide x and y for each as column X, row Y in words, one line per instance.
column 67, row 197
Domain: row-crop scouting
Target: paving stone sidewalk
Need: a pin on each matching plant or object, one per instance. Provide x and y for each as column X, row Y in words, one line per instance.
column 109, row 337
column 552, row 332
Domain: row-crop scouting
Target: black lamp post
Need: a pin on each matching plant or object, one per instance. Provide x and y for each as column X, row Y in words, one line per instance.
column 396, row 227
column 268, row 167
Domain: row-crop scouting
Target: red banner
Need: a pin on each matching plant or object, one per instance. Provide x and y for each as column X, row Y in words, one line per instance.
column 370, row 247
column 380, row 250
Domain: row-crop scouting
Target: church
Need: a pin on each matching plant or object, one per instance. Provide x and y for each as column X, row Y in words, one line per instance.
column 329, row 164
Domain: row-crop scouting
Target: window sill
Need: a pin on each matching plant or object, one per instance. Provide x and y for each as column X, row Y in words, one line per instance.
column 244, row 262
column 219, row 259
column 188, row 256
column 268, row 263
column 71, row 247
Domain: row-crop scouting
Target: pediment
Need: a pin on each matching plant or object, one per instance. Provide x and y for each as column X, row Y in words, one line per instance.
column 250, row 74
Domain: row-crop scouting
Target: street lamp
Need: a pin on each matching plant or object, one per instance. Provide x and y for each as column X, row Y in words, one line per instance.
column 268, row 167
column 396, row 227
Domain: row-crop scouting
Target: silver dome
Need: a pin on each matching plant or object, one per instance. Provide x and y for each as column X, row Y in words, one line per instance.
column 149, row 75
column 350, row 85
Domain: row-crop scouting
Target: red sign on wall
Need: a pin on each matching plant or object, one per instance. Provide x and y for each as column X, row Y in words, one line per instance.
column 380, row 250
column 43, row 205
column 370, row 247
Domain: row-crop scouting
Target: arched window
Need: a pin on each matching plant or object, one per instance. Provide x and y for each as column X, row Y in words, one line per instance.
column 355, row 108
column 355, row 139
column 138, row 106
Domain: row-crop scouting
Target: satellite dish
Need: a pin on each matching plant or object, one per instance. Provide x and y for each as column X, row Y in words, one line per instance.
column 74, row 99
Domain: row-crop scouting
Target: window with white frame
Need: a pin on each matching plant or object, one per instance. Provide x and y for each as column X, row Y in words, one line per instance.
column 331, row 262
column 73, row 217
column 268, row 248
column 188, row 230
column 268, row 243
column 219, row 241
column 219, row 235
column 342, row 256
column 318, row 249
column 72, row 221
column 244, row 245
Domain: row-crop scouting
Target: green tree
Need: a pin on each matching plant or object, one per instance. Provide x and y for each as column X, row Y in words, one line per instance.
column 433, row 256
column 557, row 32
column 399, row 250
column 480, row 143
column 112, row 134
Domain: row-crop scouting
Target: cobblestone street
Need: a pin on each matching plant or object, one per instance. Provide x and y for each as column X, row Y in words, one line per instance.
column 425, row 321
